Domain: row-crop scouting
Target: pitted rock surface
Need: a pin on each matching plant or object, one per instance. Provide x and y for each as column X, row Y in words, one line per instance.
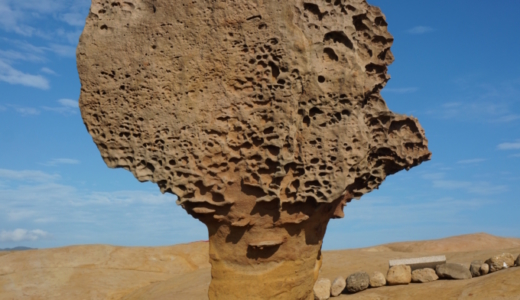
column 264, row 117
column 280, row 97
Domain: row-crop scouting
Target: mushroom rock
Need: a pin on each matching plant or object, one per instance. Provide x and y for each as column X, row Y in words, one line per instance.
column 264, row 117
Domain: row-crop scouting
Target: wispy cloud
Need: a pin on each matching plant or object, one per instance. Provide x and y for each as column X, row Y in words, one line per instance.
column 25, row 111
column 67, row 106
column 27, row 175
column 509, row 146
column 407, row 90
column 484, row 188
column 471, row 161
column 420, row 30
column 19, row 235
column 61, row 161
column 20, row 16
column 48, row 71
column 20, row 215
column 3, row 108
column 73, row 19
column 12, row 76
column 101, row 217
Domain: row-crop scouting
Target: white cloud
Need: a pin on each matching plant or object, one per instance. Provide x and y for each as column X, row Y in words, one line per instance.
column 516, row 155
column 12, row 76
column 420, row 30
column 73, row 19
column 69, row 103
column 507, row 118
column 21, row 16
column 471, row 161
column 20, row 215
column 63, row 50
column 27, row 175
column 68, row 106
column 12, row 55
column 471, row 187
column 401, row 90
column 62, row 161
column 509, row 146
column 26, row 111
column 3, row 108
column 48, row 71
column 19, row 235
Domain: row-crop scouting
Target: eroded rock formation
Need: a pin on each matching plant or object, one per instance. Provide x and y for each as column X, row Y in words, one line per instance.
column 264, row 118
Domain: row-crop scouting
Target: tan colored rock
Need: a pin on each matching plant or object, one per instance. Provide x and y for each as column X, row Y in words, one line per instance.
column 399, row 275
column 499, row 262
column 358, row 282
column 338, row 286
column 424, row 275
column 517, row 261
column 484, row 269
column 377, row 279
column 453, row 271
column 264, row 117
column 475, row 268
column 321, row 289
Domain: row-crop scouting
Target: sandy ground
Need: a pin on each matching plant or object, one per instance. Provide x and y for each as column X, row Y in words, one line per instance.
column 182, row 271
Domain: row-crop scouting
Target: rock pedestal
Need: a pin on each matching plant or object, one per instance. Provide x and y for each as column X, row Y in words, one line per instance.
column 265, row 118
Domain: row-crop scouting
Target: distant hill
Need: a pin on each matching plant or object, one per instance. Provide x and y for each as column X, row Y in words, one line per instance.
column 17, row 249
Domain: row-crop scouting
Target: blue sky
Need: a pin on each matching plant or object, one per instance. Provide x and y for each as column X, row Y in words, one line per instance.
column 456, row 70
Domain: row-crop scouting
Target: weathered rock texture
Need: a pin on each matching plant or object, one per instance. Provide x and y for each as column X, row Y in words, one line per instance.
column 474, row 268
column 424, row 275
column 338, row 286
column 263, row 117
column 399, row 275
column 358, row 282
column 453, row 271
column 377, row 279
column 499, row 262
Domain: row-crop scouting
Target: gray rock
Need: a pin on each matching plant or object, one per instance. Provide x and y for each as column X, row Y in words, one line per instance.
column 453, row 271
column 399, row 275
column 322, row 289
column 358, row 282
column 338, row 286
column 474, row 268
column 499, row 262
column 484, row 269
column 424, row 275
column 377, row 279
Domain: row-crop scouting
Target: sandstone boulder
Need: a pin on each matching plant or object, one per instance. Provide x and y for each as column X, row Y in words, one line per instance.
column 424, row 275
column 377, row 279
column 453, row 271
column 484, row 269
column 399, row 275
column 338, row 286
column 499, row 262
column 322, row 289
column 358, row 282
column 264, row 117
column 517, row 262
column 475, row 268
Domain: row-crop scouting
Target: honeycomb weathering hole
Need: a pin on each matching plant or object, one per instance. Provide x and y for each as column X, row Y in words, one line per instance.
column 264, row 119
